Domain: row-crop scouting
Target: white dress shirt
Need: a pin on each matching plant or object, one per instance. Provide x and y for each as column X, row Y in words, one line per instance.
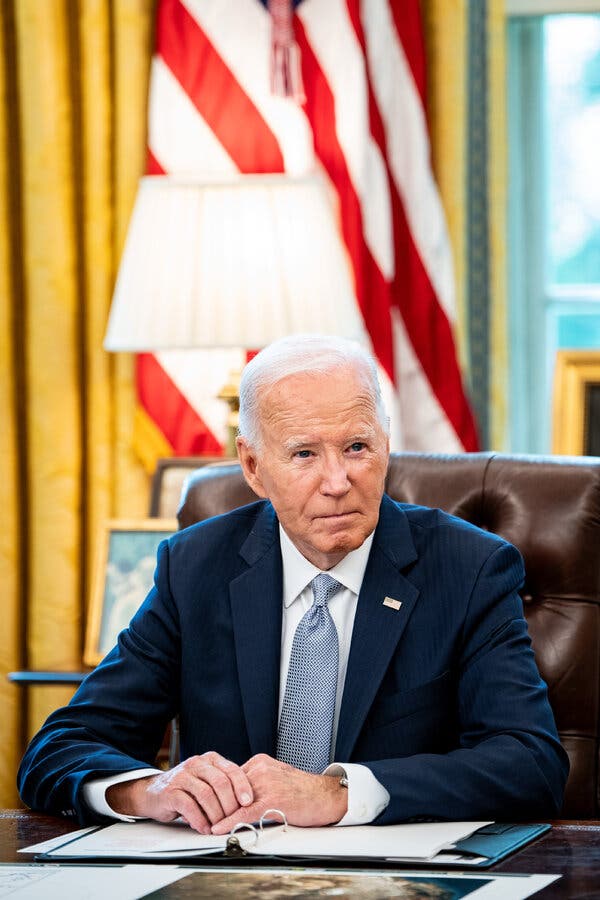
column 367, row 797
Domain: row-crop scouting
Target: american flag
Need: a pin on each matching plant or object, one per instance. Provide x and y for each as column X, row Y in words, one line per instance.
column 362, row 123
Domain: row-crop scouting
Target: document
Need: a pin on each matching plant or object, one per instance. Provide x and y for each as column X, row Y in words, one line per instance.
column 30, row 882
column 130, row 882
column 152, row 840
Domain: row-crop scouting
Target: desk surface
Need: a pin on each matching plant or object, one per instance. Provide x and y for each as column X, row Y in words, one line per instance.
column 571, row 849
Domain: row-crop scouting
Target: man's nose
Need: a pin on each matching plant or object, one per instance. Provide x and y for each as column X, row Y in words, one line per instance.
column 334, row 480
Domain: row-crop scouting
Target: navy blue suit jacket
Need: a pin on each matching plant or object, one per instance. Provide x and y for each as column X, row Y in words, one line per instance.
column 442, row 700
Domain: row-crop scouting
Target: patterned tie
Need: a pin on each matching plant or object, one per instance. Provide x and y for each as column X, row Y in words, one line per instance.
column 306, row 724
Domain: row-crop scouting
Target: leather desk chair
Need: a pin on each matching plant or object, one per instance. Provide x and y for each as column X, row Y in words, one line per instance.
column 549, row 507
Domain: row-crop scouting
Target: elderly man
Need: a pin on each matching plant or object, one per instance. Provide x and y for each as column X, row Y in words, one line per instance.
column 330, row 653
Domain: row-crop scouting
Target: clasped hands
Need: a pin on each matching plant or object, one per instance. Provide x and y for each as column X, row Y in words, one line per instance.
column 212, row 794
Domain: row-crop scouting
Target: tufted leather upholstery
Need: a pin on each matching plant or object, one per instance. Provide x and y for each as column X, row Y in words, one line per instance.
column 549, row 507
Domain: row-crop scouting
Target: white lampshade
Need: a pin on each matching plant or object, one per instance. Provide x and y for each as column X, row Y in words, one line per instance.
column 234, row 264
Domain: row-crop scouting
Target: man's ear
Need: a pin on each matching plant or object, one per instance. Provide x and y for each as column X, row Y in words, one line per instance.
column 249, row 463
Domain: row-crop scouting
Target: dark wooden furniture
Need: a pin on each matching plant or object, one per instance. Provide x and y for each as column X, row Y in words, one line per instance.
column 571, row 849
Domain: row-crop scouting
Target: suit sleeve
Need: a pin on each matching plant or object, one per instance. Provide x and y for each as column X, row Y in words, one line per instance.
column 117, row 719
column 508, row 762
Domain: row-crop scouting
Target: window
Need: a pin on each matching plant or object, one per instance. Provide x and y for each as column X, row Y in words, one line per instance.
column 554, row 207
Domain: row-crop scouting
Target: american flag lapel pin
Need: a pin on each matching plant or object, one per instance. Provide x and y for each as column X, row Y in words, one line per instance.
column 393, row 604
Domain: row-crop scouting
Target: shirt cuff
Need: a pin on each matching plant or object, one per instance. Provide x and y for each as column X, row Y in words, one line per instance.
column 367, row 797
column 94, row 792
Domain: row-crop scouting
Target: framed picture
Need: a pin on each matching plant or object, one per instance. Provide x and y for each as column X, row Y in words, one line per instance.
column 576, row 404
column 123, row 575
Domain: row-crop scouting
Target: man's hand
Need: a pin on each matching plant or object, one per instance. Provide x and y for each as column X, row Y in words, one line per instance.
column 202, row 790
column 305, row 799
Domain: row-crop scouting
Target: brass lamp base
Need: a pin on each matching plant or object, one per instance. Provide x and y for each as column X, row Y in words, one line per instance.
column 230, row 392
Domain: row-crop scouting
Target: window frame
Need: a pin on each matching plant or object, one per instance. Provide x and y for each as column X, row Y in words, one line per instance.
column 535, row 307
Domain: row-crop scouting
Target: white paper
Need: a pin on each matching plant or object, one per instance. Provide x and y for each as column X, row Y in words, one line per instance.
column 30, row 882
column 413, row 841
column 142, row 840
column 509, row 887
column 45, row 846
column 145, row 840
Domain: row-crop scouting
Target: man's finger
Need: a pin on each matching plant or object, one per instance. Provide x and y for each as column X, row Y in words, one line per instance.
column 192, row 781
column 222, row 787
column 184, row 805
column 247, row 814
column 199, row 787
column 239, row 780
column 241, row 786
column 236, row 774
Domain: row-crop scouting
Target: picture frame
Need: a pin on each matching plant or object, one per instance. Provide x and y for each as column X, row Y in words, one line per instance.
column 576, row 403
column 122, row 576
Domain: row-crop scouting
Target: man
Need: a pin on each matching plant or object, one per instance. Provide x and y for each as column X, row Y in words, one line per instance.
column 324, row 622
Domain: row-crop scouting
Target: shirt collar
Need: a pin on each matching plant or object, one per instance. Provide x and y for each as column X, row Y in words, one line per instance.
column 298, row 572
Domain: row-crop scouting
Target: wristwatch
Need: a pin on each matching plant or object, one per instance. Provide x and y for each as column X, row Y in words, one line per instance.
column 343, row 781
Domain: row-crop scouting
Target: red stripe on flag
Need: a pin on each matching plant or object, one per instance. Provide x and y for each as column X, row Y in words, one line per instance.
column 372, row 291
column 181, row 425
column 215, row 92
column 426, row 323
column 407, row 18
column 153, row 167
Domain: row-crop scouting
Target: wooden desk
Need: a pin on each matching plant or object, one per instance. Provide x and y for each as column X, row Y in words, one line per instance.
column 571, row 849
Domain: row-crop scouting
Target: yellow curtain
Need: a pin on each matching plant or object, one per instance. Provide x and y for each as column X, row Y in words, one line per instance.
column 445, row 24
column 447, row 39
column 498, row 163
column 10, row 543
column 73, row 85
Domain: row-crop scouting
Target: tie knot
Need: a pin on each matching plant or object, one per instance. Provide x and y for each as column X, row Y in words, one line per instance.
column 324, row 587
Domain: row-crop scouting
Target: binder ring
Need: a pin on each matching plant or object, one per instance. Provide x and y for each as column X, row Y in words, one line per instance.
column 278, row 812
column 241, row 825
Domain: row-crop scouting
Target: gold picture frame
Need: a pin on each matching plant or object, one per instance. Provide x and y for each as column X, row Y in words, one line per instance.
column 575, row 422
column 122, row 576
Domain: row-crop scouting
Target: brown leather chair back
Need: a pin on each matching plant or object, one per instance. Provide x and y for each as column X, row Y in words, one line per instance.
column 549, row 507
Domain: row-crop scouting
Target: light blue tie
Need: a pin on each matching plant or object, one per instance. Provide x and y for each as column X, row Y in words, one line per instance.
column 306, row 723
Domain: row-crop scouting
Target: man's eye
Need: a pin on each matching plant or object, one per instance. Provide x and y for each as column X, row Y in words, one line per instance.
column 302, row 454
column 357, row 446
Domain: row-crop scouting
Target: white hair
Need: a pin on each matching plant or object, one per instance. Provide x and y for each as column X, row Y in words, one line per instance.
column 307, row 354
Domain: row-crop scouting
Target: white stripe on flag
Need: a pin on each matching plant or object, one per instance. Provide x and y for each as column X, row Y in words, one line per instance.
column 178, row 136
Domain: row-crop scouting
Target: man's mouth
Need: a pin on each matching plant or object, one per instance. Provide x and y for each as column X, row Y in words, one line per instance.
column 337, row 516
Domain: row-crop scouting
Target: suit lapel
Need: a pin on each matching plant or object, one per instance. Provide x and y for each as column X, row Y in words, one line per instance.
column 377, row 627
column 256, row 614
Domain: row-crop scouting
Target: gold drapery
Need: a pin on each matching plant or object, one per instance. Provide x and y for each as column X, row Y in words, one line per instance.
column 73, row 87
column 498, row 184
column 73, row 84
column 445, row 24
column 446, row 32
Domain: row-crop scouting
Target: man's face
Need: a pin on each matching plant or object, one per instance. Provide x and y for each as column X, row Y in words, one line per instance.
column 322, row 461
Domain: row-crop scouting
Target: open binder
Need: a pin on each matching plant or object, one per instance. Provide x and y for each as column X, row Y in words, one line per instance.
column 445, row 844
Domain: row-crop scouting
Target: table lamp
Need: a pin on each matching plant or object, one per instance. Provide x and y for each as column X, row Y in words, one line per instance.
column 231, row 264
